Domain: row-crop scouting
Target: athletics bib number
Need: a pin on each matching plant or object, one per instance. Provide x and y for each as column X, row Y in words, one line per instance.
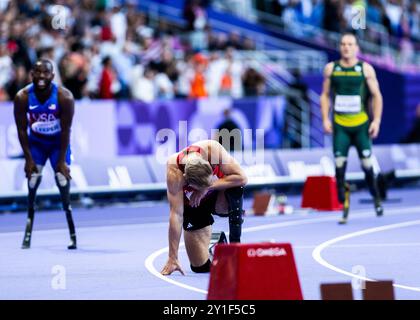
column 348, row 104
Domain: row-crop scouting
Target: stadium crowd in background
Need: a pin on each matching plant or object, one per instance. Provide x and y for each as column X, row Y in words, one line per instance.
column 385, row 23
column 400, row 18
column 103, row 50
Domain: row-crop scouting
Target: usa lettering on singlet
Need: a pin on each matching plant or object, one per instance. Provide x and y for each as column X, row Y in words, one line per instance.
column 44, row 118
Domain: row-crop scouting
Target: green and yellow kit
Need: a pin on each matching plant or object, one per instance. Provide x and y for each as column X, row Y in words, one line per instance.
column 350, row 96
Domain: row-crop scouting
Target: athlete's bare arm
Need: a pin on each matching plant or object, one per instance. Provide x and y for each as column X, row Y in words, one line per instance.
column 235, row 176
column 377, row 105
column 175, row 183
column 66, row 101
column 21, row 120
column 325, row 98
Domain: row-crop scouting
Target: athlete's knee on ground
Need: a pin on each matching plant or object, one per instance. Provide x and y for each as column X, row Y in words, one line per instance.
column 203, row 268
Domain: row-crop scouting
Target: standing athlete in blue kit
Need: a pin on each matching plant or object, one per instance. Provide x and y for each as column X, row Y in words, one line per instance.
column 43, row 114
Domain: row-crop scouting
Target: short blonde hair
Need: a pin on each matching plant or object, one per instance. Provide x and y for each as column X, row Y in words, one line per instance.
column 197, row 172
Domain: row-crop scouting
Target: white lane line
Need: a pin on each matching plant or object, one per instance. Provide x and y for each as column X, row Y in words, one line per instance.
column 364, row 245
column 316, row 254
column 360, row 214
column 149, row 266
column 149, row 262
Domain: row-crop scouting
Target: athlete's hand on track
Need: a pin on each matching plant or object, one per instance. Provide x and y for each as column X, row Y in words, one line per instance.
column 374, row 129
column 171, row 266
column 327, row 126
column 63, row 168
column 196, row 197
column 30, row 167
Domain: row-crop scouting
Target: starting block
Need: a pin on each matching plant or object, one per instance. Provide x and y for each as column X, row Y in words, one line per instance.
column 336, row 291
column 374, row 290
column 379, row 290
column 217, row 237
column 264, row 203
column 268, row 203
column 320, row 193
column 260, row 271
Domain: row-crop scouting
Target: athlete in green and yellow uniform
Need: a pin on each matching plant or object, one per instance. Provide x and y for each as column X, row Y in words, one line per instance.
column 352, row 84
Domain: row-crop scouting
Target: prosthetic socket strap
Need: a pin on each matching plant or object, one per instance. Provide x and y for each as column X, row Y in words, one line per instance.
column 234, row 197
column 65, row 199
column 372, row 182
column 33, row 184
column 340, row 173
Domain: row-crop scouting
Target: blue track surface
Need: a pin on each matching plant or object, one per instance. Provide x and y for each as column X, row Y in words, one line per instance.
column 121, row 248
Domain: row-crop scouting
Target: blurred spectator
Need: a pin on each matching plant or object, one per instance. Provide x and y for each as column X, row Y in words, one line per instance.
column 248, row 44
column 413, row 16
column 95, row 71
column 186, row 73
column 394, row 12
column 141, row 25
column 20, row 80
column 74, row 69
column 212, row 41
column 106, row 29
column 277, row 7
column 215, row 70
column 3, row 5
column 109, row 85
column 81, row 22
column 6, row 65
column 236, row 70
column 234, row 40
column 198, row 83
column 123, row 38
column 290, row 17
column 407, row 52
column 123, row 64
column 196, row 18
column 222, row 42
column 118, row 23
column 386, row 22
column 17, row 45
column 332, row 15
column 167, row 65
column 163, row 86
column 226, row 82
column 373, row 13
column 163, row 29
column 49, row 54
column 31, row 51
column 253, row 82
column 142, row 85
column 151, row 48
